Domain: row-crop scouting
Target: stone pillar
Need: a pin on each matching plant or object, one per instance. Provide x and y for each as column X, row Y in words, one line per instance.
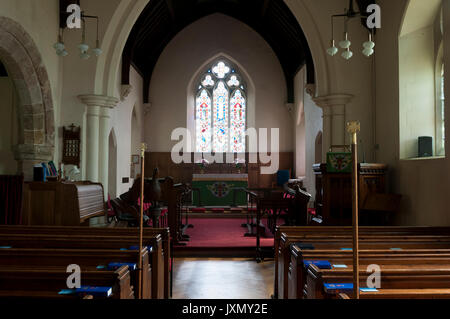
column 97, row 134
column 103, row 160
column 333, row 119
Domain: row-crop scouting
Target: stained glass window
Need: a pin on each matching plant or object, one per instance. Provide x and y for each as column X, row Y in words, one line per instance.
column 233, row 81
column 237, row 122
column 203, row 122
column 208, row 81
column 221, row 125
column 220, row 70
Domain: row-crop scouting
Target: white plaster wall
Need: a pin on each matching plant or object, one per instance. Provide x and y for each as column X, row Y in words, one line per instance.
column 188, row 51
column 308, row 123
column 121, row 119
column 313, row 125
column 8, row 126
column 299, row 124
column 424, row 184
column 417, row 89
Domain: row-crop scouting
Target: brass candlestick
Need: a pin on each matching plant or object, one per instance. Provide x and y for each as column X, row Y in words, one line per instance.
column 353, row 128
column 141, row 222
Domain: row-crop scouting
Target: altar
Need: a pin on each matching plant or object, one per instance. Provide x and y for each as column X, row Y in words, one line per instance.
column 220, row 190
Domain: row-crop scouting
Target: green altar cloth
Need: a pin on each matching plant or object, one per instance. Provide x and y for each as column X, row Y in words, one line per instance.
column 217, row 189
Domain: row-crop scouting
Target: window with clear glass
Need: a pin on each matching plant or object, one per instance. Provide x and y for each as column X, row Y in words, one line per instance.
column 441, row 113
column 220, row 115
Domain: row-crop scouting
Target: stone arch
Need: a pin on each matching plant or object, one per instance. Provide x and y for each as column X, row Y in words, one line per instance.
column 119, row 28
column 324, row 75
column 35, row 109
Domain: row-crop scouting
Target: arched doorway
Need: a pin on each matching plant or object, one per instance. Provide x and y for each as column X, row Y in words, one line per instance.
column 36, row 136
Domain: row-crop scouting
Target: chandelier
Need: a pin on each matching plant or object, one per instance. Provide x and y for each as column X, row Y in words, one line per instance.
column 83, row 46
column 368, row 46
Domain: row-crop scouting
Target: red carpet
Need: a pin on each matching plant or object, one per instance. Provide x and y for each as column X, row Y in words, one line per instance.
column 222, row 232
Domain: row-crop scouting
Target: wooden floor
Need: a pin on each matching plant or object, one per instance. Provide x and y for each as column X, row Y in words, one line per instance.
column 213, row 278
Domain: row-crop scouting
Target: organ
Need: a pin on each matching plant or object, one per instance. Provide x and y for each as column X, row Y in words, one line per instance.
column 62, row 203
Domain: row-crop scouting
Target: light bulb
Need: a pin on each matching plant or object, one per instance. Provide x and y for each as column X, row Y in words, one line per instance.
column 97, row 51
column 368, row 52
column 332, row 50
column 83, row 47
column 347, row 54
column 59, row 46
column 345, row 44
column 369, row 45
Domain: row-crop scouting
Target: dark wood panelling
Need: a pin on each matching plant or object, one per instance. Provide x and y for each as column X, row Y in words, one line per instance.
column 182, row 173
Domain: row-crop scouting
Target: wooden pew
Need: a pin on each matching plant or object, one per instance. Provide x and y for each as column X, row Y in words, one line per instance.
column 88, row 260
column 297, row 269
column 94, row 242
column 293, row 233
column 392, row 277
column 374, row 242
column 33, row 282
column 118, row 232
column 434, row 293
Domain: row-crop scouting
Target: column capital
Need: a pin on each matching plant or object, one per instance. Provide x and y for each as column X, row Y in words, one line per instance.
column 99, row 100
column 333, row 100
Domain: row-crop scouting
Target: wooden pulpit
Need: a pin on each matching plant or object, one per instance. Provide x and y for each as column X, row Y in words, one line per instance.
column 333, row 191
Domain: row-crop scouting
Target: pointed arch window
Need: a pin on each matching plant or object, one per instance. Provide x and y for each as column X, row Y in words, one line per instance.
column 221, row 106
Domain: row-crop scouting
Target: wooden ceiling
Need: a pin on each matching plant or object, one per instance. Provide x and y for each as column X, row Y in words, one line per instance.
column 161, row 20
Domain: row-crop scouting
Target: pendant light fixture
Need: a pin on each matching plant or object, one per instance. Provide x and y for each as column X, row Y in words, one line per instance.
column 83, row 46
column 345, row 44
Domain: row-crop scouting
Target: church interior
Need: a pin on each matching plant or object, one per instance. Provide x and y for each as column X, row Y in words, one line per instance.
column 224, row 149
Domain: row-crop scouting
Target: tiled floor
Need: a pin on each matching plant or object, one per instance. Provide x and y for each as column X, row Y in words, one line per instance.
column 214, row 278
